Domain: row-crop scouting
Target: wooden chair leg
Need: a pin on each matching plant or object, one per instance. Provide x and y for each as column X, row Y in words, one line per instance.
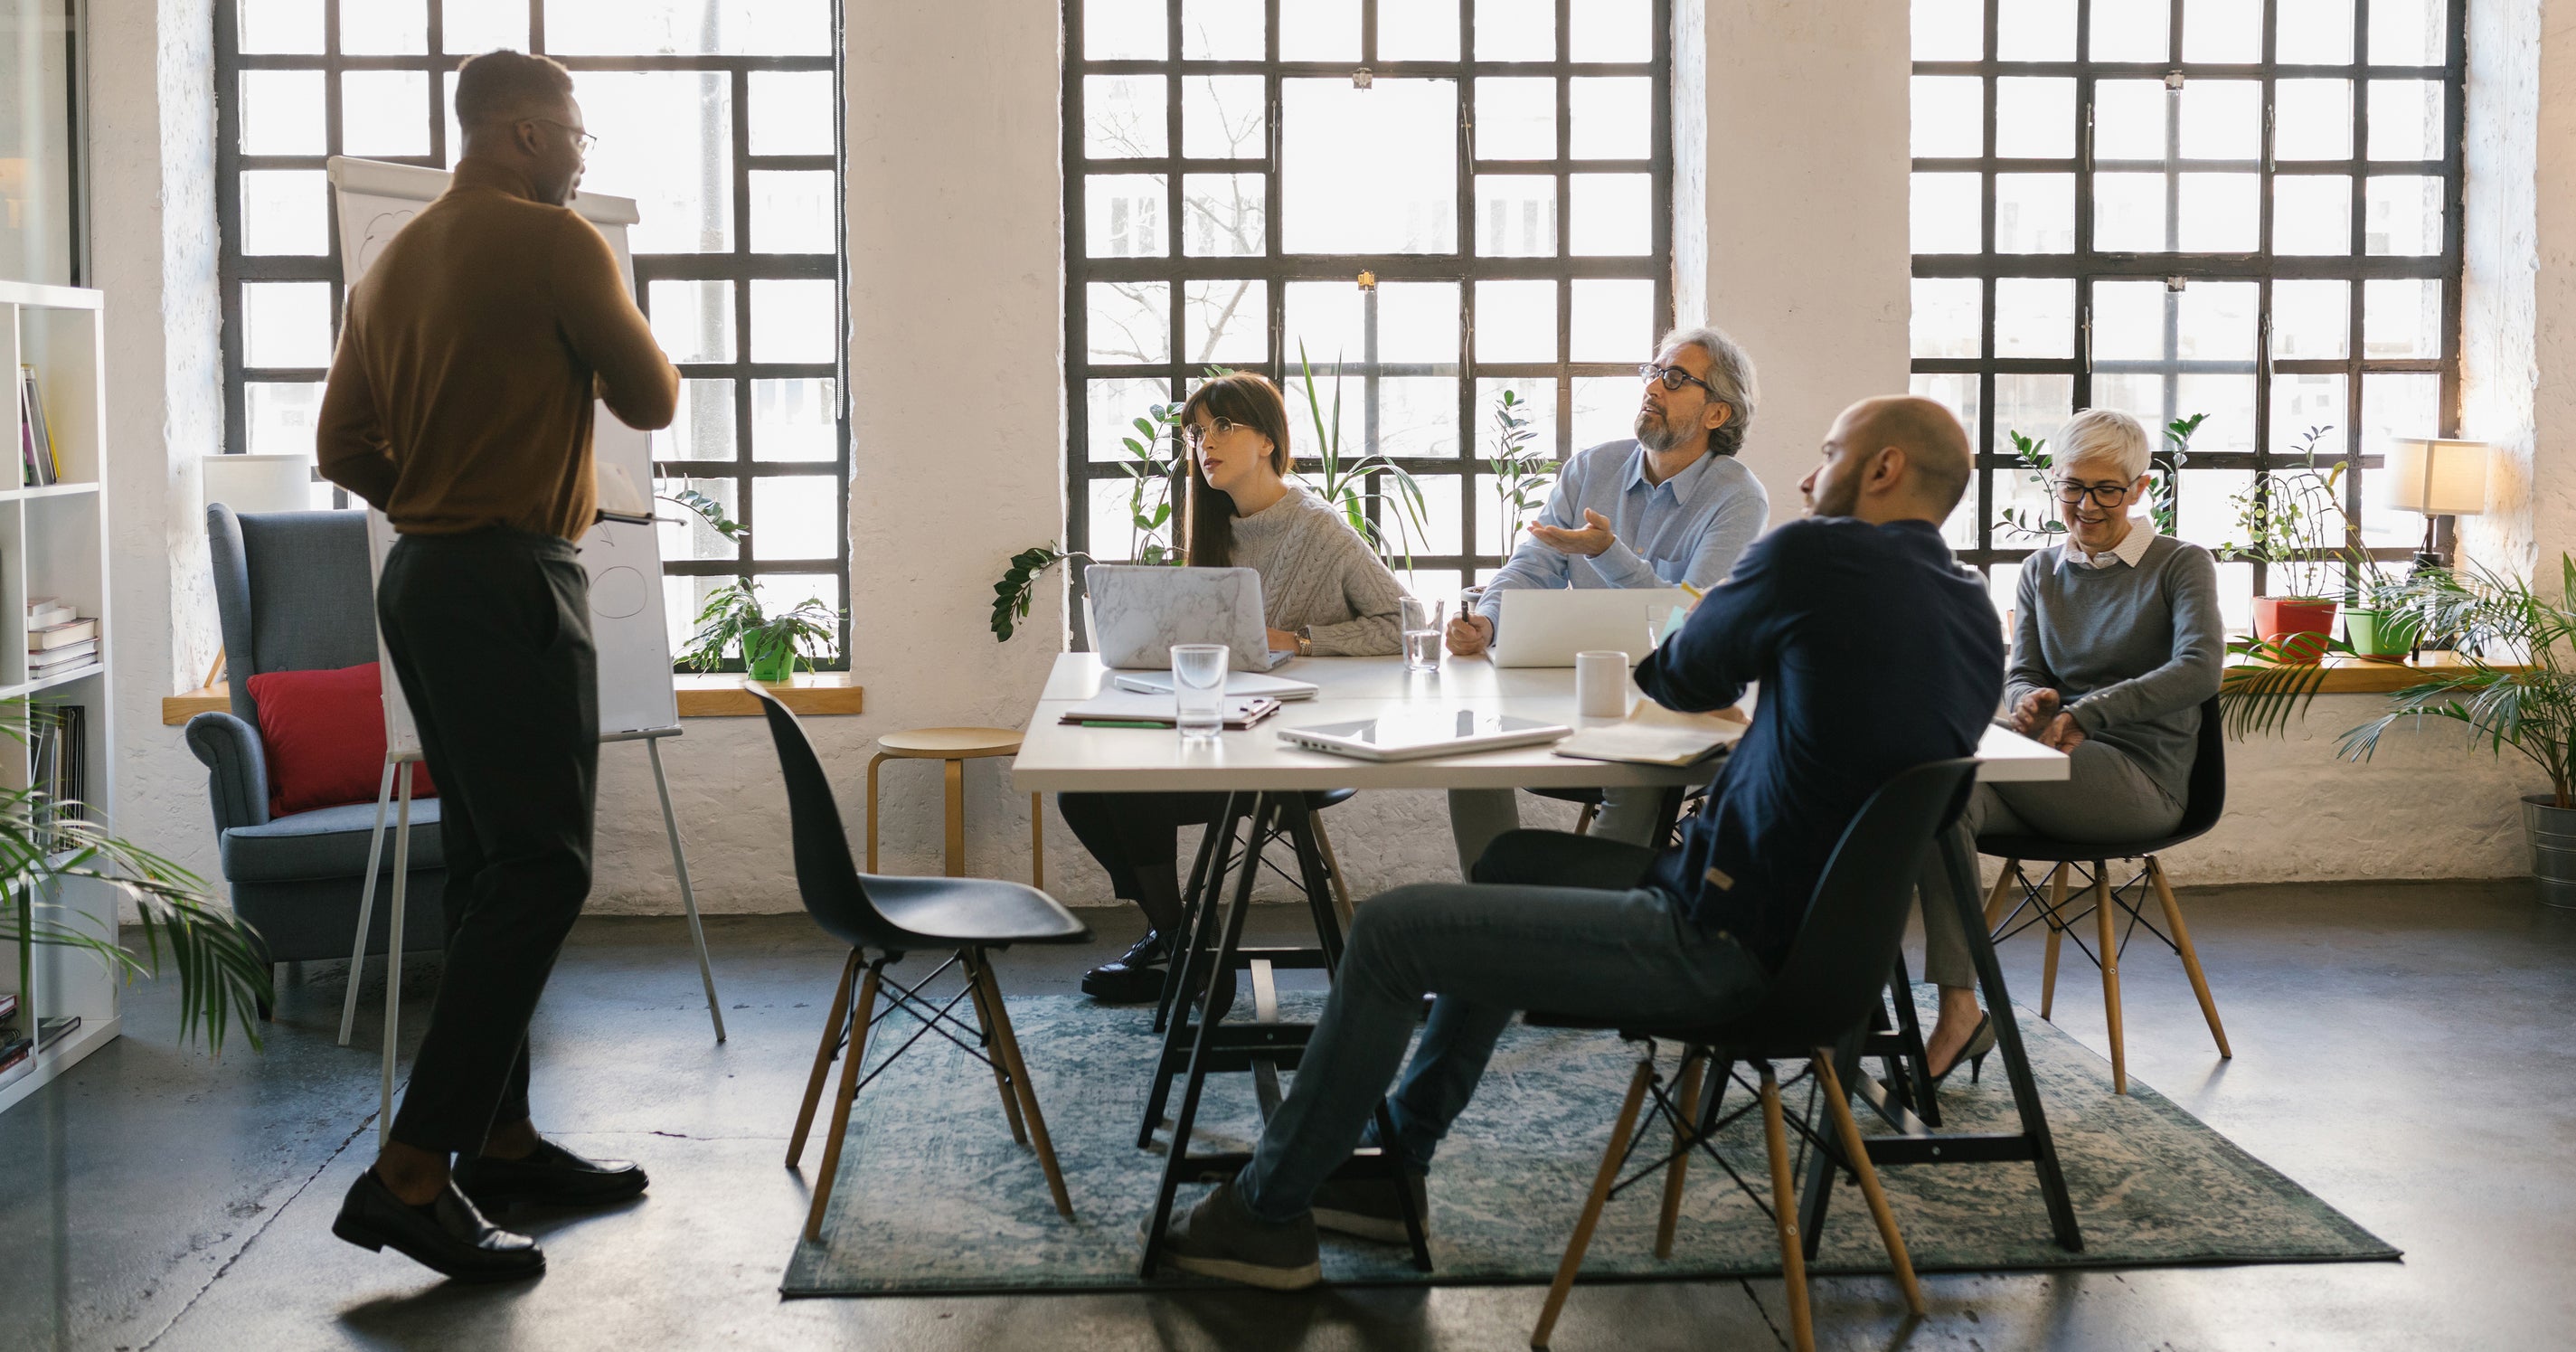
column 879, row 759
column 956, row 778
column 1995, row 907
column 1839, row 1107
column 1581, row 1239
column 848, row 1093
column 1037, row 841
column 1583, row 823
column 993, row 1050
column 2056, row 934
column 1784, row 1210
column 1685, row 1133
column 2109, row 938
column 2190, row 957
column 1333, row 866
column 1009, row 1043
column 823, row 1057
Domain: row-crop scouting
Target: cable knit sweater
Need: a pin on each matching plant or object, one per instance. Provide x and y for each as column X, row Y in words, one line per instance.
column 1318, row 575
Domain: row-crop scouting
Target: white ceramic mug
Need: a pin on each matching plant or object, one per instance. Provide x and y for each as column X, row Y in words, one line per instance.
column 1601, row 684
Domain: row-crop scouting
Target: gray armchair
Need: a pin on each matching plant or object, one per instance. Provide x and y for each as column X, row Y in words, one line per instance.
column 295, row 595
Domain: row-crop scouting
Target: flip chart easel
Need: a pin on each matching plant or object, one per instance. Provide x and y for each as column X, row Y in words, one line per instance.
column 637, row 702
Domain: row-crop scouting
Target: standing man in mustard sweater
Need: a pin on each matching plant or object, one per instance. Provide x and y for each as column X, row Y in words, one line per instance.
column 459, row 404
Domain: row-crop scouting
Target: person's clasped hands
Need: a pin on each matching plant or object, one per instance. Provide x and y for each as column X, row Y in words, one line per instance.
column 2037, row 716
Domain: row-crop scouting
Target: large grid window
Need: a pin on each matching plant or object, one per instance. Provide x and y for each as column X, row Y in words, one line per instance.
column 2248, row 209
column 721, row 118
column 1498, row 169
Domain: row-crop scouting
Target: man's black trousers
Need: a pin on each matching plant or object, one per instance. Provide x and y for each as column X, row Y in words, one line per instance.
column 490, row 635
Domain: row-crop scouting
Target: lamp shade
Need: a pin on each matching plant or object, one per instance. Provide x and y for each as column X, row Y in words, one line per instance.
column 2438, row 476
column 259, row 483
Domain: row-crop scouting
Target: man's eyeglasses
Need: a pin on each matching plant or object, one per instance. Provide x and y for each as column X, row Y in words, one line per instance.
column 580, row 138
column 1196, row 435
column 1673, row 377
column 2103, row 495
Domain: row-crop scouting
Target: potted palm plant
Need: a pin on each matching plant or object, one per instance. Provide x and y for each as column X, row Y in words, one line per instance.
column 46, row 843
column 772, row 646
column 2515, row 689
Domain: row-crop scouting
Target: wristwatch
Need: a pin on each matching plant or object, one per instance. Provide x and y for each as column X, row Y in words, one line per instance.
column 1306, row 640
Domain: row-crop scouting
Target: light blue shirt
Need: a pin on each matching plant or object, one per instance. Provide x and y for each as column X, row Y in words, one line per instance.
column 1689, row 528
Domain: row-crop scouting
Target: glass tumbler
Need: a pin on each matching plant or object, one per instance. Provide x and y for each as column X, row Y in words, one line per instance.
column 1198, row 688
column 1422, row 634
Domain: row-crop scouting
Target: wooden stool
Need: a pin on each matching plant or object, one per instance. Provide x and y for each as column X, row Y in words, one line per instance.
column 956, row 746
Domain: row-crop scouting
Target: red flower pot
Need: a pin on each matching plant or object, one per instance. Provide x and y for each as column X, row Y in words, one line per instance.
column 2301, row 625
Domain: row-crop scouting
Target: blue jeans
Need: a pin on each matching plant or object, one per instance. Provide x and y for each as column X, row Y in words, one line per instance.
column 1614, row 950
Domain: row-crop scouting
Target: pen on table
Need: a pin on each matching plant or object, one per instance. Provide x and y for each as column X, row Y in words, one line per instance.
column 1693, row 592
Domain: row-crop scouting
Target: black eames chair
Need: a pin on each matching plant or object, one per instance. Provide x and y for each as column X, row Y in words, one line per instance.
column 882, row 919
column 1817, row 1008
column 2205, row 801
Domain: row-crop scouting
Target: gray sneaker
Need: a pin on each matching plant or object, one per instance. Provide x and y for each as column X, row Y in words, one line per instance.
column 1219, row 1238
column 1367, row 1208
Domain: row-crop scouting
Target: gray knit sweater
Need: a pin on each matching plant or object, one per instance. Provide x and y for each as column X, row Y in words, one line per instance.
column 1316, row 574
column 2133, row 651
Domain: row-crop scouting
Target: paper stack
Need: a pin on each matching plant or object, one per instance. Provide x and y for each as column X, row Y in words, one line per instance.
column 58, row 639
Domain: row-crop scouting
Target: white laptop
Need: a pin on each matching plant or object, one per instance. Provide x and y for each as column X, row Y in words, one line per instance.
column 1546, row 628
column 1138, row 612
column 1415, row 732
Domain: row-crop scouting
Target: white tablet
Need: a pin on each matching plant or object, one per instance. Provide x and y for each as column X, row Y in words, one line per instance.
column 1414, row 733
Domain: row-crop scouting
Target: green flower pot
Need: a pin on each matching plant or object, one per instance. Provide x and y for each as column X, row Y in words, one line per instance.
column 2380, row 635
column 774, row 661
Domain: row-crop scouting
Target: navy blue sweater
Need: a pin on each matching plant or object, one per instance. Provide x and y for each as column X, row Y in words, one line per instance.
column 1876, row 652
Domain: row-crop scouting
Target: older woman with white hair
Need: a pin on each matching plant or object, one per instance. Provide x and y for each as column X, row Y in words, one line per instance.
column 2117, row 643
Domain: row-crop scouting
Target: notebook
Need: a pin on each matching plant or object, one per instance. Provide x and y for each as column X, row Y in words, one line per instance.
column 1654, row 735
column 1130, row 709
column 1236, row 683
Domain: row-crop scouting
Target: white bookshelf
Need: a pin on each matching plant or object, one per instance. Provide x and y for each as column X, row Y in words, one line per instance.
column 53, row 542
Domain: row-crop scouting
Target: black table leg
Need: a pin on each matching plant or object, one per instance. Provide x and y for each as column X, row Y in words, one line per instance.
column 1194, row 896
column 1191, row 966
column 1990, row 976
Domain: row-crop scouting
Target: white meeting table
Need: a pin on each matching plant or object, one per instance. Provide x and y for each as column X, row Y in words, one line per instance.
column 1260, row 772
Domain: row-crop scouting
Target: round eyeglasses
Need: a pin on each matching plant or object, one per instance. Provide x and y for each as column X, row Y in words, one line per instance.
column 1197, row 436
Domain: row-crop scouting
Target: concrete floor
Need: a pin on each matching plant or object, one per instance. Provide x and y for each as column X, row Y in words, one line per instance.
column 2402, row 1049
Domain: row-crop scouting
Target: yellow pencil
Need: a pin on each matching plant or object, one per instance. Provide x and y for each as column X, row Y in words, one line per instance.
column 1694, row 591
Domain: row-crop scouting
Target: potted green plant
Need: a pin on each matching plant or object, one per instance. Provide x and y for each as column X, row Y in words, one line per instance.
column 1522, row 475
column 1150, row 485
column 772, row 646
column 2294, row 524
column 44, row 843
column 2515, row 688
column 2377, row 624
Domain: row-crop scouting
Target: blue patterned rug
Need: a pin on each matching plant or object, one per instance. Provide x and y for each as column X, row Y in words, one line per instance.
column 933, row 1196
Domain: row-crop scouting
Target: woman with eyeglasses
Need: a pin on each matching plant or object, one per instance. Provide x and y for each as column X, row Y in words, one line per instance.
column 1325, row 593
column 2117, row 643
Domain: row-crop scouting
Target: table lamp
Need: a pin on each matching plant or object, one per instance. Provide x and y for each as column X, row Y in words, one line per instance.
column 2438, row 476
column 259, row 483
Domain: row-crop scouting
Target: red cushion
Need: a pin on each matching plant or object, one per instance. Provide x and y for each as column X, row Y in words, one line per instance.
column 325, row 732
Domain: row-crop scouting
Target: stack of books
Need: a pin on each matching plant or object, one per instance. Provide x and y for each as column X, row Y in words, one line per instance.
column 18, row 1048
column 58, row 640
column 37, row 462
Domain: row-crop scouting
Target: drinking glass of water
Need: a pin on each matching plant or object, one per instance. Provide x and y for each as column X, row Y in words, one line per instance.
column 1422, row 634
column 1198, row 688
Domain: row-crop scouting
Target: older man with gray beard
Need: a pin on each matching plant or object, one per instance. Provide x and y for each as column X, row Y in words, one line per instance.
column 1674, row 505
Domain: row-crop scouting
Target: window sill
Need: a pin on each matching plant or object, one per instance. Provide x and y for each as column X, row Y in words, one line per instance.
column 701, row 696
column 2360, row 676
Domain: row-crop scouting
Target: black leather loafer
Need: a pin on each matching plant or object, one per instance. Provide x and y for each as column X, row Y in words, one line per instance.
column 549, row 1175
column 1134, row 977
column 448, row 1236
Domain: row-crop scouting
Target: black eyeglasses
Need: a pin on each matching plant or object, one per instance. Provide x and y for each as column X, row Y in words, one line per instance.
column 2103, row 495
column 580, row 138
column 1674, row 377
column 1196, row 435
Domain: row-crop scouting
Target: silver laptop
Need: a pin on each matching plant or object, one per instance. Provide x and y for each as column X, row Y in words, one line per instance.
column 1139, row 612
column 1547, row 628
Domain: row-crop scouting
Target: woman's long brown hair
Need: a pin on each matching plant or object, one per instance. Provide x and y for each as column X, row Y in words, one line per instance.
column 1246, row 400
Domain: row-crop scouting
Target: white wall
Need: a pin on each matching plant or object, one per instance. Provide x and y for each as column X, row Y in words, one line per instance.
column 953, row 200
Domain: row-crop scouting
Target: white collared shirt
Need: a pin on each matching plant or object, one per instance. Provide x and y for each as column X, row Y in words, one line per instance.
column 2132, row 547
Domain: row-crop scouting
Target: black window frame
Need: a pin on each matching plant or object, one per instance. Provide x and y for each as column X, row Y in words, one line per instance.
column 1277, row 268
column 2085, row 265
column 739, row 266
